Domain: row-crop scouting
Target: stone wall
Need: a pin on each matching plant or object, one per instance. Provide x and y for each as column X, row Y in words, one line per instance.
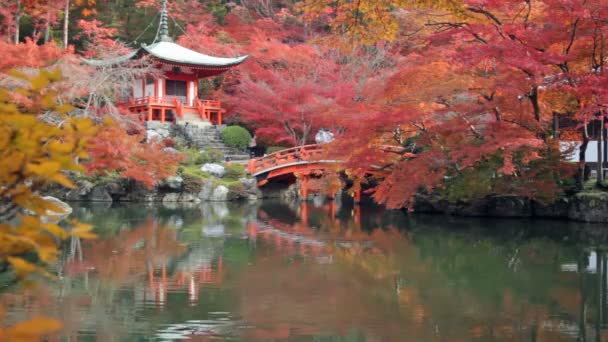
column 585, row 207
column 174, row 189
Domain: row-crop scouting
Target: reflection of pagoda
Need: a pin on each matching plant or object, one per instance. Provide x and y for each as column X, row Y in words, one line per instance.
column 173, row 95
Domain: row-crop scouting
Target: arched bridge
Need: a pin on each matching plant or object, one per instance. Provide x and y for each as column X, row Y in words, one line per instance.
column 302, row 160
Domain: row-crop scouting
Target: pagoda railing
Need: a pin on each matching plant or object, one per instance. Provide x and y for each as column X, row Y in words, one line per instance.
column 170, row 101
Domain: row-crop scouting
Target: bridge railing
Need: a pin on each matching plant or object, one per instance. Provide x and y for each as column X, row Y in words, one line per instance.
column 282, row 157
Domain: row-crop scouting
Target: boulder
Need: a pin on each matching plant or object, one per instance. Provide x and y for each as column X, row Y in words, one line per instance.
column 509, row 206
column 220, row 194
column 171, row 197
column 153, row 136
column 250, row 188
column 213, row 169
column 170, row 150
column 188, row 197
column 173, row 183
column 115, row 189
column 589, row 207
column 81, row 192
column 99, row 194
column 206, row 191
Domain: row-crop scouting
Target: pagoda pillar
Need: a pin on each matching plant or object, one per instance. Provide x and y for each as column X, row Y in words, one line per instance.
column 149, row 113
column 162, row 115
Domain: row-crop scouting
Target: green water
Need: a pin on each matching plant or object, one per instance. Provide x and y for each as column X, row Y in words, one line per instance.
column 266, row 273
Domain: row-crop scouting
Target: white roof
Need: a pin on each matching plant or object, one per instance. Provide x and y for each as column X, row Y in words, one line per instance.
column 172, row 52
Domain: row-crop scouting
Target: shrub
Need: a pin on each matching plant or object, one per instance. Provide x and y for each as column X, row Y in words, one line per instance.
column 210, row 155
column 234, row 171
column 168, row 142
column 200, row 157
column 273, row 149
column 236, row 136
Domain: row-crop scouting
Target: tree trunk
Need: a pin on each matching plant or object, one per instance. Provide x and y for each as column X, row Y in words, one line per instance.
column 582, row 177
column 66, row 19
column 600, row 154
column 47, row 29
column 17, row 22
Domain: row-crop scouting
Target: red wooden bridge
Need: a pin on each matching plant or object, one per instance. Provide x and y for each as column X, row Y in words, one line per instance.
column 301, row 160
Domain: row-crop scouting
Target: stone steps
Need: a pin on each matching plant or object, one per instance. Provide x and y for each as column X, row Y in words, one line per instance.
column 208, row 136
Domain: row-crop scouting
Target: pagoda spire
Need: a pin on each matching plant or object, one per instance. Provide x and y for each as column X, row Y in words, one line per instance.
column 164, row 24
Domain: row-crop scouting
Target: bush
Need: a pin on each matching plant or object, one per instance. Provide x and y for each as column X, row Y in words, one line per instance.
column 210, row 155
column 200, row 157
column 273, row 149
column 236, row 136
column 234, row 171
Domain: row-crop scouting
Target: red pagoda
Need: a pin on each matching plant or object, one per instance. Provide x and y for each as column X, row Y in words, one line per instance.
column 173, row 96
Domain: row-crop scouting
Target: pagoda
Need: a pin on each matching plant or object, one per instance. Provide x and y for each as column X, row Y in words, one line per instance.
column 172, row 97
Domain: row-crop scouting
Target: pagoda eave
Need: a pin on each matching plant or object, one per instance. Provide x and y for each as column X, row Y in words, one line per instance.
column 200, row 71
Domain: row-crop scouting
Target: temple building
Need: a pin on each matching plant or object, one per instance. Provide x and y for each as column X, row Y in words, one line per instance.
column 173, row 96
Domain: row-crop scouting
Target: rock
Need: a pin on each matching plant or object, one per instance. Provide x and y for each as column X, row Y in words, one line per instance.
column 213, row 169
column 589, row 207
column 250, row 188
column 318, row 200
column 206, row 191
column 220, row 194
column 153, row 136
column 115, row 189
column 509, row 206
column 557, row 210
column 99, row 194
column 170, row 150
column 188, row 197
column 171, row 197
column 63, row 210
column 173, row 183
column 81, row 192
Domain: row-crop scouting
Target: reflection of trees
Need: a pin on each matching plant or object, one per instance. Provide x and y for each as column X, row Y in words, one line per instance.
column 452, row 284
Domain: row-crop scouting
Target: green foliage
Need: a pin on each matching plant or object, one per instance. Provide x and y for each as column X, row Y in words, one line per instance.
column 200, row 157
column 236, row 136
column 234, row 171
column 273, row 149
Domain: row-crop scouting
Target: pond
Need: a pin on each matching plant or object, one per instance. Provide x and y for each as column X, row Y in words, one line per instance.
column 321, row 272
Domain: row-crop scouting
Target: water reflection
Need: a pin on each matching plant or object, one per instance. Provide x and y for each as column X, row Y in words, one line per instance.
column 322, row 271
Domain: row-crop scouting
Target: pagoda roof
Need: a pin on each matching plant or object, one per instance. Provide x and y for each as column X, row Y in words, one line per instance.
column 174, row 53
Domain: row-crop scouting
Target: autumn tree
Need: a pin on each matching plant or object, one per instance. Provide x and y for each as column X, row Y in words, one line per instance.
column 116, row 150
column 34, row 154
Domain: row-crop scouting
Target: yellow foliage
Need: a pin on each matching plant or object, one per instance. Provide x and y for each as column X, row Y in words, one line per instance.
column 34, row 154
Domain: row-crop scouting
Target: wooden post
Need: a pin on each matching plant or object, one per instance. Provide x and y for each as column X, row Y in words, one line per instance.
column 357, row 196
column 219, row 117
column 304, row 213
column 357, row 214
column 162, row 115
column 304, row 188
column 149, row 113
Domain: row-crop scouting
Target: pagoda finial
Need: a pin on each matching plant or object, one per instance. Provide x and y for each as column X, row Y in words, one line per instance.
column 164, row 24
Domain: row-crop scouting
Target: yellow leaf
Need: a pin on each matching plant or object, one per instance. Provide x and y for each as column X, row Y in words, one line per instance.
column 33, row 329
column 22, row 268
column 82, row 230
column 62, row 179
